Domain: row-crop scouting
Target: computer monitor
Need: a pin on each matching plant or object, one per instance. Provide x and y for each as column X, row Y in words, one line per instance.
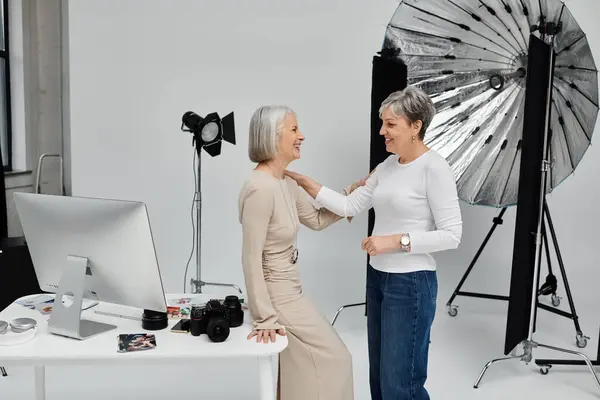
column 96, row 249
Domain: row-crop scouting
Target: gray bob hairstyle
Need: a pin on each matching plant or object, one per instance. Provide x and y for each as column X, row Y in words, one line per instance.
column 265, row 127
column 412, row 103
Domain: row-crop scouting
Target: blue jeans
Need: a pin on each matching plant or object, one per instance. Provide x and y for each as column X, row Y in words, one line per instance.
column 400, row 312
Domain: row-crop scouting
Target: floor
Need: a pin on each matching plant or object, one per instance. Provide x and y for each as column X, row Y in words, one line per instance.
column 460, row 348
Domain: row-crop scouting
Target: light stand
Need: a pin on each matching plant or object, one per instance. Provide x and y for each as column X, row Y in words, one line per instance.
column 548, row 288
column 537, row 48
column 208, row 132
column 497, row 82
column 198, row 283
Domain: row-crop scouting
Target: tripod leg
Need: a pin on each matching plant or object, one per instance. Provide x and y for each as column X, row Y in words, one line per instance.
column 335, row 317
column 576, row 353
column 581, row 339
column 497, row 221
column 489, row 364
column 547, row 248
column 550, row 286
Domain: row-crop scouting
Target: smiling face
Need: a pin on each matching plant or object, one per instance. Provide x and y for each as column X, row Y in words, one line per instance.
column 398, row 132
column 290, row 139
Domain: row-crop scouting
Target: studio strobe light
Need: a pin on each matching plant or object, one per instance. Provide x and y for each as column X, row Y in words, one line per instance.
column 208, row 134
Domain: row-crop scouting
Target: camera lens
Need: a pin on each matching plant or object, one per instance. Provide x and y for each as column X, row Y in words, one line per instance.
column 217, row 329
column 232, row 300
column 233, row 307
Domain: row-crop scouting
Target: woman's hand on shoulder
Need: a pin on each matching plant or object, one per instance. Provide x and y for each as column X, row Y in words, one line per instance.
column 264, row 335
column 299, row 178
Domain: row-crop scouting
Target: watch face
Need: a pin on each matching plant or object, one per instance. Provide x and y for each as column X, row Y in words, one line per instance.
column 405, row 240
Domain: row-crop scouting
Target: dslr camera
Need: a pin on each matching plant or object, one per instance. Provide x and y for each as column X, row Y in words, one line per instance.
column 215, row 318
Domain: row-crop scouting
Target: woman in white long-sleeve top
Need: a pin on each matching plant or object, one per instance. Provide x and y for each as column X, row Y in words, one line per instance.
column 414, row 195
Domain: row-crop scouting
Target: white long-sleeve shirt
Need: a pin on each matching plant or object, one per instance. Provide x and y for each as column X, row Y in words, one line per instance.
column 419, row 198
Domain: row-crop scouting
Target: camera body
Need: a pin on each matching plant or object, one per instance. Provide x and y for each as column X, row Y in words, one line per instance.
column 210, row 320
column 216, row 318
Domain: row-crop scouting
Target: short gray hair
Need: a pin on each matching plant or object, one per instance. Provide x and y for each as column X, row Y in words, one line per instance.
column 265, row 127
column 412, row 103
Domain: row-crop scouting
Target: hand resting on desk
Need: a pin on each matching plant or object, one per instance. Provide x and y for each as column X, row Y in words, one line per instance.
column 265, row 334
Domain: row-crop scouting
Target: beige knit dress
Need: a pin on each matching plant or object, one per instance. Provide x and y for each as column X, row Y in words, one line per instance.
column 316, row 365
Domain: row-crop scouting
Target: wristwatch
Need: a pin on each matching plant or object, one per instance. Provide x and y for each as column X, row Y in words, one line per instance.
column 405, row 242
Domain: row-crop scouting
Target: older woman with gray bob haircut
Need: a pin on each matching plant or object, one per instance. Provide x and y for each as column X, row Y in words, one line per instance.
column 414, row 195
column 316, row 364
column 262, row 141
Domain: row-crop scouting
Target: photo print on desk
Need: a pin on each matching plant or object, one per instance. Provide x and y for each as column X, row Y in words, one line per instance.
column 135, row 342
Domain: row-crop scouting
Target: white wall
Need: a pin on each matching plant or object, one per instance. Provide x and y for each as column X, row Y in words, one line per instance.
column 129, row 88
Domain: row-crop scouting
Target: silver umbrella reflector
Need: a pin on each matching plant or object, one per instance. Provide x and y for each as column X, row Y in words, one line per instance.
column 470, row 56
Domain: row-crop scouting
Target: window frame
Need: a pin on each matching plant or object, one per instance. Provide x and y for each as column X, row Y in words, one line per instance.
column 5, row 54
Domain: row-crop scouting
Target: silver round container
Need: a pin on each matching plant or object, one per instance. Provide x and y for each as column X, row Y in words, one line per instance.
column 19, row 325
column 3, row 327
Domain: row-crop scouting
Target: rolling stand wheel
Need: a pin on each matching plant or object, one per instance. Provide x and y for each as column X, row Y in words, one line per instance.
column 452, row 311
column 581, row 340
column 545, row 369
column 556, row 300
column 3, row 371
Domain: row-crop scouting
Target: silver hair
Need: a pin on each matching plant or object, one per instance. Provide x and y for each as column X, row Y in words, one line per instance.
column 412, row 103
column 265, row 128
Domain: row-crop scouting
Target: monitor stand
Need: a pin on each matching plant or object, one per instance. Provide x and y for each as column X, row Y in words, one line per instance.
column 65, row 319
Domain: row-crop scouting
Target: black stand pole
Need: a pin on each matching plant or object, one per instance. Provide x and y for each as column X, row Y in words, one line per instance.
column 453, row 310
column 548, row 288
column 581, row 339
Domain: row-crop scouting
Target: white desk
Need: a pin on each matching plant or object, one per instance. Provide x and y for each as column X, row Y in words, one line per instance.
column 52, row 350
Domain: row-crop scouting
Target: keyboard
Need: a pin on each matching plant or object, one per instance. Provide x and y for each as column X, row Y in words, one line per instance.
column 116, row 310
